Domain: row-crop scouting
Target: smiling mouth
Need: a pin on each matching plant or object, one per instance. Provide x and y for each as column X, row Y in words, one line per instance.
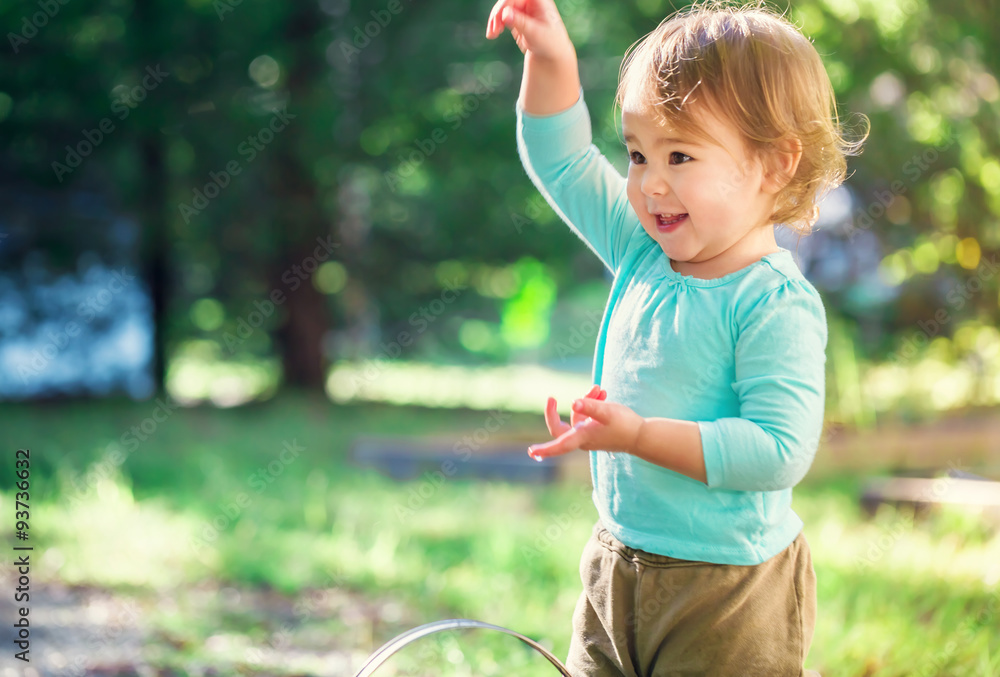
column 668, row 222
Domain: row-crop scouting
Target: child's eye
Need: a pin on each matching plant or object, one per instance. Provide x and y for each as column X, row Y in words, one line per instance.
column 676, row 158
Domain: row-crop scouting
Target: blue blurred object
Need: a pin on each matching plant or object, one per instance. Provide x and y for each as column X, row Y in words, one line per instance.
column 75, row 315
column 839, row 259
column 435, row 461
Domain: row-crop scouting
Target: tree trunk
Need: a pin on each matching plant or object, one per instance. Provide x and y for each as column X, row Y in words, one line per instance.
column 153, row 200
column 155, row 256
column 300, row 216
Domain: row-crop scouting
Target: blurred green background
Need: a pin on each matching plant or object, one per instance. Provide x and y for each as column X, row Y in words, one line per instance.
column 236, row 237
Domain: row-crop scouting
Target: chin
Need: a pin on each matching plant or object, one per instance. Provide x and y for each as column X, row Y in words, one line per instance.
column 673, row 255
column 676, row 253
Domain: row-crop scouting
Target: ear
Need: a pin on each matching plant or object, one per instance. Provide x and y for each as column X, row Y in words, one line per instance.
column 781, row 164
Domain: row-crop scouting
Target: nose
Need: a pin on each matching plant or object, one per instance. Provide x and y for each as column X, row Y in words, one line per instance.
column 653, row 184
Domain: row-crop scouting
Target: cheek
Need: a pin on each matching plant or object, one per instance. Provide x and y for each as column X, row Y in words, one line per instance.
column 718, row 188
column 735, row 183
column 635, row 196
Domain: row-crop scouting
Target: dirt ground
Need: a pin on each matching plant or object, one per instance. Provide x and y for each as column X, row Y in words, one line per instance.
column 91, row 631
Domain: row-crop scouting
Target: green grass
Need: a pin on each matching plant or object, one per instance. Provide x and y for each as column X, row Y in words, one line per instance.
column 895, row 597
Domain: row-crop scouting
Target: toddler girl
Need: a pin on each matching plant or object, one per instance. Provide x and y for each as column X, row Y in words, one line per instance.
column 709, row 366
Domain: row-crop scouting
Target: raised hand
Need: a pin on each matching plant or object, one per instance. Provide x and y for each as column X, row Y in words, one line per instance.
column 535, row 25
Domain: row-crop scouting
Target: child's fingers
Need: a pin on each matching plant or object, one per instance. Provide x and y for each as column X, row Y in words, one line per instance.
column 491, row 23
column 524, row 27
column 496, row 23
column 552, row 422
column 583, row 408
column 569, row 441
column 551, row 416
column 535, row 25
column 494, row 26
column 595, row 393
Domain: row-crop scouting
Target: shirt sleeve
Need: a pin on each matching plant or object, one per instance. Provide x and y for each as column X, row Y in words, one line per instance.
column 780, row 381
column 580, row 184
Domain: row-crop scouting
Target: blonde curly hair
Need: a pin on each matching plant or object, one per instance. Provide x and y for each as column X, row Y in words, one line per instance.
column 753, row 68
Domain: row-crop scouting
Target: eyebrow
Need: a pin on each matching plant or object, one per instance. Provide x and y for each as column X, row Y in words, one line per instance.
column 664, row 140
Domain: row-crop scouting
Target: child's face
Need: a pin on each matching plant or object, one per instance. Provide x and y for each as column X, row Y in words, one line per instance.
column 714, row 197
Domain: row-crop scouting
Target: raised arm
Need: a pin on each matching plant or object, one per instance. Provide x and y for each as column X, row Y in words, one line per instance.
column 551, row 80
column 554, row 136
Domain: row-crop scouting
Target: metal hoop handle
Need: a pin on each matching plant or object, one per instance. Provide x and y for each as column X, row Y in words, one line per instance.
column 394, row 645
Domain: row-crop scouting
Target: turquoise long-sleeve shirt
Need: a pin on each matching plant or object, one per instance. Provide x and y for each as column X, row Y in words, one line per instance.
column 742, row 355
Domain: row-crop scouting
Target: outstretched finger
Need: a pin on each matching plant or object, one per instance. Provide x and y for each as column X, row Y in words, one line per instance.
column 556, row 427
column 569, row 441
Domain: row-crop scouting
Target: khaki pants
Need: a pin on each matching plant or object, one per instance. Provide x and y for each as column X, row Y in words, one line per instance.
column 647, row 615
